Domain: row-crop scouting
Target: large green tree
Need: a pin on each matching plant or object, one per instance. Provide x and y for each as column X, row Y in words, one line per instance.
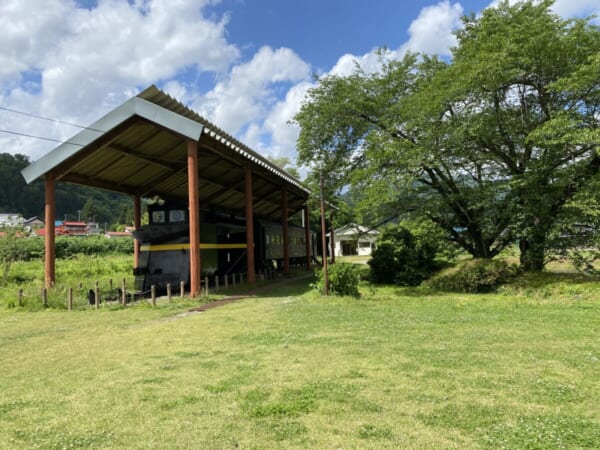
column 490, row 146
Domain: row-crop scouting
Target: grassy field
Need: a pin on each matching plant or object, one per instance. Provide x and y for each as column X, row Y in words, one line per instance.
column 397, row 368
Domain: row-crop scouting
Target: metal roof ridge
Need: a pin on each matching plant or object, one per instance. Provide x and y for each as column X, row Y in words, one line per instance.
column 211, row 128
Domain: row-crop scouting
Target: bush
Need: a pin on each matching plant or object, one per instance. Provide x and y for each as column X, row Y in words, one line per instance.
column 343, row 279
column 402, row 259
column 477, row 275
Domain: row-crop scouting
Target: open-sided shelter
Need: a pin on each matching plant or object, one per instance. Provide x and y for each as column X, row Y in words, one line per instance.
column 153, row 145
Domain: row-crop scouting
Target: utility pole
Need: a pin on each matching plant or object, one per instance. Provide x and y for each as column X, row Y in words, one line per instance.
column 323, row 239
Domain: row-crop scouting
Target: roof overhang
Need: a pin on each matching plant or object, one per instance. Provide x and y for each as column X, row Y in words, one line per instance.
column 133, row 107
column 140, row 148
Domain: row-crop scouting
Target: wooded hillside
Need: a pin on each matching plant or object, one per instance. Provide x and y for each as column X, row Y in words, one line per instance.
column 28, row 199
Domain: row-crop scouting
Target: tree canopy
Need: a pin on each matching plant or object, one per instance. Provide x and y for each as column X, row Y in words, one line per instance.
column 491, row 145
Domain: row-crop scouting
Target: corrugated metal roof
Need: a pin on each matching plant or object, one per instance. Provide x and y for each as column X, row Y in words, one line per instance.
column 155, row 95
column 143, row 151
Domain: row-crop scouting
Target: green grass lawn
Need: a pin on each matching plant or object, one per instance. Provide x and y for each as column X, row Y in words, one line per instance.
column 398, row 368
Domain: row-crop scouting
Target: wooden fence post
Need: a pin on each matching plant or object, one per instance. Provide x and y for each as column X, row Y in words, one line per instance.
column 226, row 281
column 70, row 299
column 110, row 284
column 233, row 278
column 45, row 298
column 216, row 283
column 153, row 294
column 169, row 292
column 97, row 295
column 206, row 286
column 20, row 303
column 181, row 289
column 123, row 292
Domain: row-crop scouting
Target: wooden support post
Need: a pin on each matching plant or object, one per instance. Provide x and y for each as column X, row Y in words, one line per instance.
column 20, row 302
column 45, row 297
column 153, row 295
column 332, row 240
column 323, row 238
column 137, row 223
column 181, row 289
column 70, row 299
column 206, row 286
column 169, row 292
column 307, row 237
column 123, row 292
column 216, row 283
column 96, row 295
column 284, row 225
column 50, row 216
column 194, row 215
column 249, row 226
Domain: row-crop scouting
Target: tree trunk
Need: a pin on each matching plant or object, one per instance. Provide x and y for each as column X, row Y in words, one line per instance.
column 532, row 254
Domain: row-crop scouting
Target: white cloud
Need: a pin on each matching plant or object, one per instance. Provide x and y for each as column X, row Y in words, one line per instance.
column 571, row 8
column 250, row 90
column 348, row 63
column 283, row 134
column 432, row 31
column 568, row 8
column 83, row 62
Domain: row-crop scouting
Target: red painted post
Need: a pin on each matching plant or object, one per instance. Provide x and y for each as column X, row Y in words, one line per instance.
column 194, row 210
column 50, row 213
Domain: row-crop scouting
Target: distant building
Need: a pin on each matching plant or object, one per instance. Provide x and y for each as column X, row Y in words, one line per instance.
column 117, row 234
column 93, row 228
column 11, row 220
column 34, row 223
column 353, row 239
column 73, row 229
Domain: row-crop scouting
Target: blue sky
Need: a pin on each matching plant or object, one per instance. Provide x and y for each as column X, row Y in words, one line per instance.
column 244, row 64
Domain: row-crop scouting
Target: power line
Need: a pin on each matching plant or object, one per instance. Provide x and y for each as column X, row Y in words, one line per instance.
column 49, row 119
column 40, row 137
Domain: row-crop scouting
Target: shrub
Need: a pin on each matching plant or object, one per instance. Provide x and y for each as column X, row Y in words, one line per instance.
column 402, row 259
column 343, row 279
column 477, row 275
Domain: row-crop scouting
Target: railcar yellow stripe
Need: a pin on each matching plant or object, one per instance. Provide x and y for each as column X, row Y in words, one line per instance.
column 203, row 246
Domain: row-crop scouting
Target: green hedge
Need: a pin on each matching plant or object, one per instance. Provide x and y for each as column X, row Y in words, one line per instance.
column 343, row 279
column 477, row 275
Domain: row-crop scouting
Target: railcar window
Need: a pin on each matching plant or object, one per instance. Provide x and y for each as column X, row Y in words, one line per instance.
column 158, row 216
column 176, row 215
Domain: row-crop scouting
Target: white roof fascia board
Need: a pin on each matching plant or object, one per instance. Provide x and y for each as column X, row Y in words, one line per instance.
column 132, row 107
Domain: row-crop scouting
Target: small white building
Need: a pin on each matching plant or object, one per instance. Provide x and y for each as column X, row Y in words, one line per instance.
column 353, row 239
column 11, row 220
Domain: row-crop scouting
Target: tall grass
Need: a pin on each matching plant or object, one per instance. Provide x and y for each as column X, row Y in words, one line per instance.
column 71, row 272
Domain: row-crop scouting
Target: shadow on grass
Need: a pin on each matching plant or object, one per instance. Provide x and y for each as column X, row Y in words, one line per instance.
column 297, row 284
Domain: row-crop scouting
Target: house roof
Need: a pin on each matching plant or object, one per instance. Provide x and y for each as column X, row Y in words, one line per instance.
column 353, row 229
column 140, row 148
